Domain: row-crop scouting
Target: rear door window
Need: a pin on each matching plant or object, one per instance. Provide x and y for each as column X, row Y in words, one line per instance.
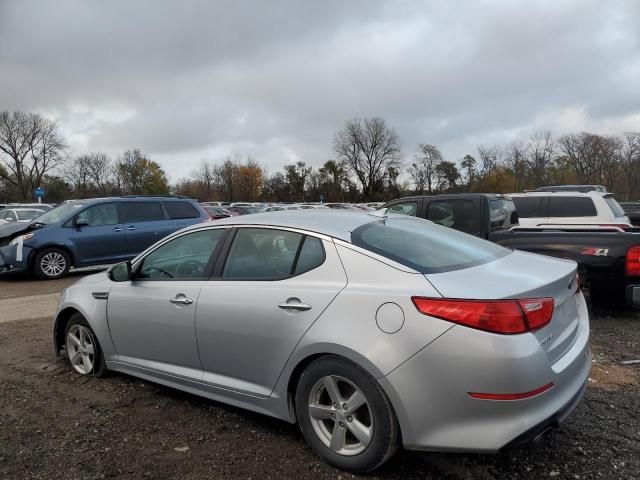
column 262, row 254
column 136, row 212
column 425, row 247
column 502, row 213
column 457, row 213
column 571, row 207
column 311, row 255
column 529, row 207
column 177, row 209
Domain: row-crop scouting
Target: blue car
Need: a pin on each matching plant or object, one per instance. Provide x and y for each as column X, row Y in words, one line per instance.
column 98, row 231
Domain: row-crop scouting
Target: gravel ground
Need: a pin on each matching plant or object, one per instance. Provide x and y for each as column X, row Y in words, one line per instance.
column 56, row 424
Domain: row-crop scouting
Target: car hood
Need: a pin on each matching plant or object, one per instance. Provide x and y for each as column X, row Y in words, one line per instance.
column 9, row 229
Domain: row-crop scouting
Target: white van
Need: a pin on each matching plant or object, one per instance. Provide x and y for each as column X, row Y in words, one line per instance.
column 570, row 210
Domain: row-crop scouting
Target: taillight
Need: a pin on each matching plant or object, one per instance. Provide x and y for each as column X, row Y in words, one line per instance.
column 497, row 316
column 632, row 263
column 512, row 396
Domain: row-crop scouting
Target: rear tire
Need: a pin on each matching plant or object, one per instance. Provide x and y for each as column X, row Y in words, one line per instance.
column 51, row 264
column 358, row 436
column 82, row 347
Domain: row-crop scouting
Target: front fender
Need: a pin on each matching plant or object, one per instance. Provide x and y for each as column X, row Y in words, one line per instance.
column 79, row 298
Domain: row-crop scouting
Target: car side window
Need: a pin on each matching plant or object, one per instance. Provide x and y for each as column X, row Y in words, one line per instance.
column 102, row 214
column 406, row 208
column 180, row 209
column 571, row 207
column 262, row 254
column 136, row 212
column 311, row 255
column 459, row 214
column 183, row 258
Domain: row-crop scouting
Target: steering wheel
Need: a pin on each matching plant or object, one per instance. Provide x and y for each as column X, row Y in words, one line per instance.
column 188, row 267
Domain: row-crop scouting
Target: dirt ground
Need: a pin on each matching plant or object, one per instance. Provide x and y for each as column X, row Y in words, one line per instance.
column 56, row 424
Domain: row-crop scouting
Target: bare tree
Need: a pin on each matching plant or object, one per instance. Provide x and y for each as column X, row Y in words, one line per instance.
column 629, row 158
column 368, row 147
column 424, row 170
column 539, row 154
column 90, row 173
column 517, row 160
column 30, row 147
column 490, row 159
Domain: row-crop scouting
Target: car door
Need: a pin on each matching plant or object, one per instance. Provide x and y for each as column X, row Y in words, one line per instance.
column 273, row 285
column 102, row 241
column 152, row 316
column 144, row 223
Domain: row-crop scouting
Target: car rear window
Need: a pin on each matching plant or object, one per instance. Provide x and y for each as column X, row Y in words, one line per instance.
column 571, row 207
column 529, row 207
column 424, row 246
column 134, row 212
column 615, row 207
column 179, row 209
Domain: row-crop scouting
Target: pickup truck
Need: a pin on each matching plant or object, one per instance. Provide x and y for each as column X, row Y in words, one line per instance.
column 608, row 261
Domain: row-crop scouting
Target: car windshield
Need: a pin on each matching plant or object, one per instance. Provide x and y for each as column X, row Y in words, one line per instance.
column 27, row 214
column 425, row 246
column 61, row 213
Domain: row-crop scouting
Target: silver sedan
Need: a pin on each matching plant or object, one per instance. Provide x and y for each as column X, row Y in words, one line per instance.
column 370, row 331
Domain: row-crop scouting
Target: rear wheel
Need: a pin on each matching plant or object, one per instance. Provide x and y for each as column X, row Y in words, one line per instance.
column 83, row 350
column 51, row 263
column 345, row 415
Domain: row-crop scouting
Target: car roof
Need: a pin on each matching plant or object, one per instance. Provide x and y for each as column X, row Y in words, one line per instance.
column 592, row 193
column 132, row 198
column 333, row 223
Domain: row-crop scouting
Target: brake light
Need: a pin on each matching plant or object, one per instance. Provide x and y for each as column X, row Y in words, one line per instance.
column 632, row 263
column 497, row 316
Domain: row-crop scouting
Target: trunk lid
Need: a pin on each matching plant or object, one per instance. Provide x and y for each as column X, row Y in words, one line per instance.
column 523, row 275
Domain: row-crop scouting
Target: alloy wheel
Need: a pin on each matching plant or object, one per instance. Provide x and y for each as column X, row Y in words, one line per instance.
column 81, row 349
column 340, row 415
column 53, row 264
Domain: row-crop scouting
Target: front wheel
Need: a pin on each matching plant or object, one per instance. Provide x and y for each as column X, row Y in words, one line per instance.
column 345, row 415
column 83, row 350
column 51, row 263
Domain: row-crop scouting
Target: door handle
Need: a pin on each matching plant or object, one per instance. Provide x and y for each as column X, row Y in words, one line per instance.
column 181, row 300
column 294, row 306
column 130, row 228
column 117, row 229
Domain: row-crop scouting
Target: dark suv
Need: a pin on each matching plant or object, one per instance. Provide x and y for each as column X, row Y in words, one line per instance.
column 98, row 231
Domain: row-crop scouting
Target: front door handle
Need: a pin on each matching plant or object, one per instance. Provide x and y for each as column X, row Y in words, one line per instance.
column 291, row 304
column 181, row 300
column 117, row 229
column 131, row 228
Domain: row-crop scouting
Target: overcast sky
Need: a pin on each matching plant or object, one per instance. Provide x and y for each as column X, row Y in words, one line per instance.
column 188, row 81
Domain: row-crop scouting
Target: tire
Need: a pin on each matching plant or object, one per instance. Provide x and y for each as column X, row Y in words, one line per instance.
column 330, row 431
column 51, row 263
column 83, row 351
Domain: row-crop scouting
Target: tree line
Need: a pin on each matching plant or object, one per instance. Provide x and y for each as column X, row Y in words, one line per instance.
column 368, row 164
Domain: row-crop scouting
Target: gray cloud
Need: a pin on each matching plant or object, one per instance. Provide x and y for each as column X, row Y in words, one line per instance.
column 186, row 81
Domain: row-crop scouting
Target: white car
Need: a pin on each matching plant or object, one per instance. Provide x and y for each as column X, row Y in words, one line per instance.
column 570, row 210
column 22, row 215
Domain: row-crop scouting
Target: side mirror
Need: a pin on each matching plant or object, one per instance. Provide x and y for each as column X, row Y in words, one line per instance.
column 82, row 222
column 120, row 272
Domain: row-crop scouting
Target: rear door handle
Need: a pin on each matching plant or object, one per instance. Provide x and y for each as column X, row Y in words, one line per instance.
column 181, row 300
column 288, row 305
column 117, row 229
column 130, row 228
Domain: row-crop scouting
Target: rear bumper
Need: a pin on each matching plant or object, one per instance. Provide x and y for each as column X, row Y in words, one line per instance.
column 632, row 296
column 429, row 392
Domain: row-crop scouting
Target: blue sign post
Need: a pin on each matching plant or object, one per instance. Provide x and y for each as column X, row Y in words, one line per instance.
column 39, row 194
